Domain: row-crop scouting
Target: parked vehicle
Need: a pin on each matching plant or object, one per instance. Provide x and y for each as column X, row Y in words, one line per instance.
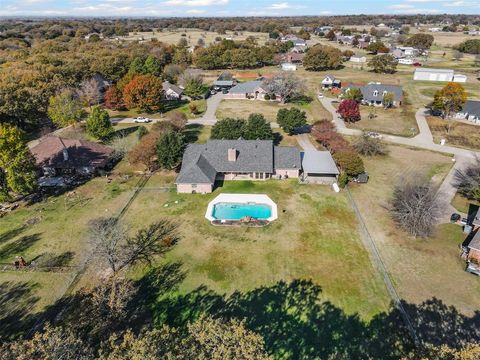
column 224, row 91
column 141, row 119
column 455, row 217
column 374, row 135
column 213, row 92
column 417, row 64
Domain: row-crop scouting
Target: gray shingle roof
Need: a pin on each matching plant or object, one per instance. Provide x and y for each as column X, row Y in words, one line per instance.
column 368, row 91
column 201, row 162
column 318, row 162
column 166, row 86
column 472, row 108
column 246, row 87
column 475, row 242
column 286, row 157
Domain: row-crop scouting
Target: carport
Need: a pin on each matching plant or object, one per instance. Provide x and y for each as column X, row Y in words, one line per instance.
column 319, row 167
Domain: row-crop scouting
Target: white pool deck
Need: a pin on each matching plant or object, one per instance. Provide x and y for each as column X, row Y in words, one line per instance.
column 242, row 199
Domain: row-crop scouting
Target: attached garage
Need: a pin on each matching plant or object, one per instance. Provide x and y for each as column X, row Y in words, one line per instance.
column 319, row 167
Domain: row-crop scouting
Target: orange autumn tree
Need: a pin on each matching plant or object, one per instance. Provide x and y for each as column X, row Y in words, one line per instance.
column 449, row 99
column 144, row 92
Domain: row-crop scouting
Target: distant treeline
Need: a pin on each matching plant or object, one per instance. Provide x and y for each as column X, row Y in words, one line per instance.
column 51, row 28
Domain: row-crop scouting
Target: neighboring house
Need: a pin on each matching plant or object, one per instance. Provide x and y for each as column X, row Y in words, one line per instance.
column 473, row 249
column 460, row 78
column 358, row 59
column 289, row 67
column 408, row 51
column 57, row 156
column 299, row 43
column 88, row 36
column 223, row 160
column 103, row 83
column 331, row 82
column 298, row 49
column 319, row 167
column 172, row 92
column 224, row 81
column 373, row 93
column 290, row 57
column 428, row 74
column 470, row 111
column 248, row 90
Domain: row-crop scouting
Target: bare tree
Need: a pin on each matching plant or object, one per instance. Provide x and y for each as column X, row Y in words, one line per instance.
column 285, row 86
column 415, row 206
column 369, row 146
column 113, row 245
column 467, row 180
column 91, row 92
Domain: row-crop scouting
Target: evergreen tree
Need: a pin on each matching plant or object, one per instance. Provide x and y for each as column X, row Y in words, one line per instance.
column 170, row 148
column 257, row 127
column 98, row 123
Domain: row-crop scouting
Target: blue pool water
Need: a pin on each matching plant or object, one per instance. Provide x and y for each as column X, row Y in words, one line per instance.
column 232, row 211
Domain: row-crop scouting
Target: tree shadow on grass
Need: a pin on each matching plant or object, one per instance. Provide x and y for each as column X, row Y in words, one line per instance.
column 10, row 234
column 297, row 323
column 192, row 132
column 53, row 260
column 17, row 300
column 18, row 246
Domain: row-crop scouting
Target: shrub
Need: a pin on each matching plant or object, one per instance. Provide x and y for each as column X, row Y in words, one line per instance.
column 141, row 132
column 368, row 146
column 467, row 180
column 349, row 162
column 349, row 110
column 343, row 180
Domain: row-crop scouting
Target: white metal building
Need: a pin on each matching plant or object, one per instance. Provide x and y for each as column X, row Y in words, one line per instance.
column 427, row 74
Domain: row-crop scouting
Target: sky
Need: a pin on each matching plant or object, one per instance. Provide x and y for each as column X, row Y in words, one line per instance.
column 167, row 8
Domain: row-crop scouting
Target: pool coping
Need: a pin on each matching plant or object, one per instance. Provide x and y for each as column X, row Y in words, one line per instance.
column 242, row 199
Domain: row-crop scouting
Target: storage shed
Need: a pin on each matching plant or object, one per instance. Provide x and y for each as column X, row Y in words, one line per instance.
column 319, row 167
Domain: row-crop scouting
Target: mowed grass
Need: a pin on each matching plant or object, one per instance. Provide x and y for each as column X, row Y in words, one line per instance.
column 460, row 134
column 314, row 238
column 237, row 108
column 396, row 121
column 420, row 268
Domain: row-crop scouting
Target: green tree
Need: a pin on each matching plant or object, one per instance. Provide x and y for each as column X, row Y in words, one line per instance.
column 17, row 164
column 291, row 119
column 388, row 99
column 65, row 109
column 349, row 161
column 98, row 123
column 228, row 129
column 136, row 66
column 422, row 41
column 385, row 64
column 353, row 94
column 471, row 46
column 374, row 47
column 319, row 58
column 194, row 86
column 152, row 66
column 449, row 99
column 257, row 127
column 170, row 147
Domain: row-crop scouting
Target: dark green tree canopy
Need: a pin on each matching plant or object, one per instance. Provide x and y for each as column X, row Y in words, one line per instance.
column 170, row 147
column 228, row 129
column 291, row 119
column 257, row 127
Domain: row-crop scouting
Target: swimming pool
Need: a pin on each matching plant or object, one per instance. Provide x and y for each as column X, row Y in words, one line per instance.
column 237, row 206
column 237, row 211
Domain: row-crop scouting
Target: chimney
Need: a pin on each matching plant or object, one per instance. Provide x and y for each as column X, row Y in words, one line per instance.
column 232, row 154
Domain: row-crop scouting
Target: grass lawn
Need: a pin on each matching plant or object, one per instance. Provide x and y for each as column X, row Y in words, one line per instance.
column 182, row 106
column 310, row 240
column 54, row 232
column 243, row 108
column 420, row 268
column 395, row 121
column 461, row 134
column 462, row 204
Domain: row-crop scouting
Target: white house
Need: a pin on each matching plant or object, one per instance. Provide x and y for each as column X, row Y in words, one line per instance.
column 406, row 61
column 470, row 111
column 427, row 74
column 408, row 51
column 331, row 82
column 358, row 59
column 289, row 67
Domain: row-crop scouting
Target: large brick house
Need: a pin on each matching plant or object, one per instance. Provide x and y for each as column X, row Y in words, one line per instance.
column 223, row 160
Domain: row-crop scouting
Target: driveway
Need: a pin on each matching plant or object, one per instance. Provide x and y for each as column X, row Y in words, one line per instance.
column 209, row 118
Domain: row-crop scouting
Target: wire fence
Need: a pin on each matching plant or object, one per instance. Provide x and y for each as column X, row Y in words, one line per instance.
column 372, row 248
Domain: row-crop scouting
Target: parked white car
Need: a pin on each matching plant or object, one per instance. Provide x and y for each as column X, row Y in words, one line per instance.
column 141, row 119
